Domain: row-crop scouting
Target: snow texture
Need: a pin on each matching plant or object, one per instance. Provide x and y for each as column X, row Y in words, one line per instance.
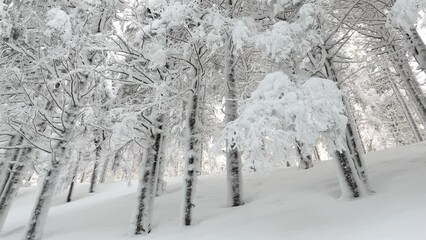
column 407, row 13
column 288, row 204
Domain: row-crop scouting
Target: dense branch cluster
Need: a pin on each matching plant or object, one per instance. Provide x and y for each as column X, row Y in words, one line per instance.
column 95, row 91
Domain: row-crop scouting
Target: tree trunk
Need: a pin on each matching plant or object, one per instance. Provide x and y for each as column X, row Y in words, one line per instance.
column 233, row 156
column 12, row 184
column 355, row 146
column 98, row 143
column 405, row 73
column 347, row 178
column 352, row 138
column 418, row 48
column 148, row 182
column 161, row 169
column 192, row 156
column 43, row 202
column 407, row 113
column 74, row 176
column 104, row 170
column 316, row 154
column 8, row 163
column 305, row 161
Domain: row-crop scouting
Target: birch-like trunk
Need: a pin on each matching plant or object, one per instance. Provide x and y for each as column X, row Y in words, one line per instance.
column 233, row 156
column 192, row 156
column 148, row 182
column 12, row 183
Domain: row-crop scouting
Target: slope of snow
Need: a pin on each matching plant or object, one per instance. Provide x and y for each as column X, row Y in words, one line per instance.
column 286, row 204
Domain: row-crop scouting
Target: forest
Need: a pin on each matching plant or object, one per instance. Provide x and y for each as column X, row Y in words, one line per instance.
column 169, row 94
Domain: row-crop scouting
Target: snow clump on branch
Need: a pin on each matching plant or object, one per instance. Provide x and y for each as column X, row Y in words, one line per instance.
column 279, row 109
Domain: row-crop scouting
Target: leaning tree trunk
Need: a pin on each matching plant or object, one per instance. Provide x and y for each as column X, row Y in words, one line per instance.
column 403, row 104
column 233, row 156
column 316, row 154
column 13, row 182
column 418, row 48
column 43, row 202
column 347, row 179
column 355, row 146
column 353, row 140
column 192, row 156
column 405, row 73
column 148, row 181
column 7, row 163
column 48, row 186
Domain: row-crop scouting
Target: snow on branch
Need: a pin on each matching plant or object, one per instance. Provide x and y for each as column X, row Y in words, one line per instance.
column 281, row 110
column 406, row 13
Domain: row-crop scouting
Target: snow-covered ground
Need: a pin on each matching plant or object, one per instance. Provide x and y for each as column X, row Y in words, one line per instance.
column 285, row 204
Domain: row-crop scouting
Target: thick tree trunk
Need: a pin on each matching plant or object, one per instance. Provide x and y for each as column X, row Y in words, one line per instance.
column 192, row 156
column 12, row 183
column 43, row 202
column 353, row 141
column 233, row 156
column 148, row 182
column 347, row 178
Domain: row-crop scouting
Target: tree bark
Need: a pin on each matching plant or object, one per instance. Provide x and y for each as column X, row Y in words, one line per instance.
column 354, row 144
column 148, row 182
column 74, row 177
column 233, row 156
column 162, row 168
column 347, row 181
column 98, row 143
column 418, row 48
column 192, row 155
column 43, row 202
